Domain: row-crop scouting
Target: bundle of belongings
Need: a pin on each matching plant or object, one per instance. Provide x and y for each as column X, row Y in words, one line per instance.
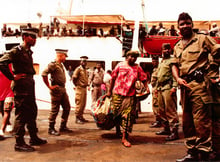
column 142, row 92
column 102, row 113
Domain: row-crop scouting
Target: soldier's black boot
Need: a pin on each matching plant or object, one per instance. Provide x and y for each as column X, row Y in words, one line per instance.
column 52, row 130
column 174, row 135
column 203, row 156
column 83, row 119
column 35, row 140
column 21, row 146
column 156, row 124
column 78, row 120
column 64, row 128
column 2, row 137
column 165, row 131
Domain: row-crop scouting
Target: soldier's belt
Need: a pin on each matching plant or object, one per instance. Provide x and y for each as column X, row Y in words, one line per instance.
column 163, row 83
column 197, row 75
column 23, row 75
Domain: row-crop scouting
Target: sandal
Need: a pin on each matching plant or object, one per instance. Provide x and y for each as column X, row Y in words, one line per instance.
column 125, row 143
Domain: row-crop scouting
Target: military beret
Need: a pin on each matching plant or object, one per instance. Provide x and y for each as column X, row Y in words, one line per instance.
column 62, row 51
column 133, row 53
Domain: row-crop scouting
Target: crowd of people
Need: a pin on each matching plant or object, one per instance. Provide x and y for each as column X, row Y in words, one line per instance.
column 56, row 29
column 63, row 30
column 194, row 68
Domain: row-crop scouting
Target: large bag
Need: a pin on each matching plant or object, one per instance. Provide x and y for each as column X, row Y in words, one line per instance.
column 102, row 113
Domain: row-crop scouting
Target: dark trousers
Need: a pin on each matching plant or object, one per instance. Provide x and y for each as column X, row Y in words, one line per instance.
column 25, row 114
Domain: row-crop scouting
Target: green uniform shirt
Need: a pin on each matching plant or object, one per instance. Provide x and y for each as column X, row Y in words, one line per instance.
column 81, row 75
column 195, row 54
column 57, row 73
column 21, row 59
column 22, row 63
column 165, row 79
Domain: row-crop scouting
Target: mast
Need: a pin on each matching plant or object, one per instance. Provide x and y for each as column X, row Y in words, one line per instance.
column 136, row 30
column 70, row 8
column 135, row 36
column 143, row 12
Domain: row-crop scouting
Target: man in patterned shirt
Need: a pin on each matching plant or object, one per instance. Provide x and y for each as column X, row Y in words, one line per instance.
column 122, row 86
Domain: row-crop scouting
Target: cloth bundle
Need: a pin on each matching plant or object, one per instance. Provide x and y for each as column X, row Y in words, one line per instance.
column 102, row 113
column 142, row 92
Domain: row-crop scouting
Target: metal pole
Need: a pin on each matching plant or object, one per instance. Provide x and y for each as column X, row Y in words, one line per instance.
column 136, row 32
column 83, row 17
column 70, row 9
column 143, row 9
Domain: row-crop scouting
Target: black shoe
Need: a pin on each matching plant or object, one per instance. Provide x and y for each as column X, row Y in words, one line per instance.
column 205, row 156
column 156, row 124
column 53, row 132
column 163, row 132
column 84, row 120
column 172, row 137
column 37, row 141
column 2, row 137
column 188, row 157
column 66, row 130
column 24, row 148
column 78, row 121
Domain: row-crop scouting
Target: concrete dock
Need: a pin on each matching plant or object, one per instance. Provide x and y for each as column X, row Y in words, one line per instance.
column 87, row 143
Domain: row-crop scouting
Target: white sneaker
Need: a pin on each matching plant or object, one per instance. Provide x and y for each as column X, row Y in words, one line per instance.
column 8, row 128
column 1, row 133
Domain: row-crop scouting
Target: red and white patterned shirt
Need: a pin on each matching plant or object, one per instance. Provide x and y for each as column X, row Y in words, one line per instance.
column 125, row 77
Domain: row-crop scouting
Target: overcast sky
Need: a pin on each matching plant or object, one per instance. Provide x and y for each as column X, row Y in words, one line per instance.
column 155, row 10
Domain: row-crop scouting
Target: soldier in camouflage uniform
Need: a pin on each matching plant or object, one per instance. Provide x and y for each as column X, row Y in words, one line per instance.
column 166, row 91
column 155, row 106
column 190, row 70
column 23, row 86
column 57, row 92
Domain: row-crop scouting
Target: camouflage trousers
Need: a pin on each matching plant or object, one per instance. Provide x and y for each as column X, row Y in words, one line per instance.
column 168, row 107
column 124, row 111
column 155, row 107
